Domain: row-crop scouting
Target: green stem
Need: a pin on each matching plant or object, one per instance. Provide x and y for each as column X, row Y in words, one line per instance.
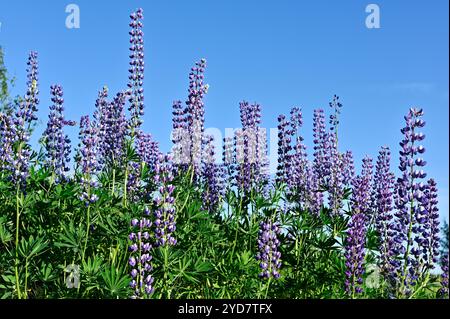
column 237, row 227
column 25, row 295
column 113, row 181
column 411, row 216
column 87, row 233
column 125, row 182
column 17, row 242
column 267, row 288
column 166, row 267
column 424, row 283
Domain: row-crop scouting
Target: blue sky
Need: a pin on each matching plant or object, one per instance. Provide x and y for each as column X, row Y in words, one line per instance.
column 277, row 53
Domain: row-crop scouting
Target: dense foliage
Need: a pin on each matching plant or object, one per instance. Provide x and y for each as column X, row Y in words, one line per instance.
column 128, row 220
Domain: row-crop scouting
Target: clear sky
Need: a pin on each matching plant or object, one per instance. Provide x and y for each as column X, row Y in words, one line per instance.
column 277, row 53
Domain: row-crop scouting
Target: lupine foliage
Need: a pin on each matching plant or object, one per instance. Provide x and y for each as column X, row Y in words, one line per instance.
column 130, row 221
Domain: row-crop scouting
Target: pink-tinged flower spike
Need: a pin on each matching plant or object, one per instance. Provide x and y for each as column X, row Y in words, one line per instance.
column 136, row 71
column 57, row 144
column 140, row 259
column 164, row 201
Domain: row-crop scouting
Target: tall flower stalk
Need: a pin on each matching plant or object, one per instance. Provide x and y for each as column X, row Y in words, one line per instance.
column 89, row 167
column 408, row 201
column 140, row 259
column 136, row 71
column 383, row 187
column 195, row 117
column 57, row 144
column 356, row 236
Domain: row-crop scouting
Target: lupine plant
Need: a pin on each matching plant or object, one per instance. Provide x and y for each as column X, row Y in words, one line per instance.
column 126, row 219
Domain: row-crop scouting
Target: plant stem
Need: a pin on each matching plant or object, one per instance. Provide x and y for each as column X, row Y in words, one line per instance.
column 113, row 181
column 87, row 233
column 17, row 242
column 166, row 266
column 267, row 288
column 125, row 182
column 26, row 278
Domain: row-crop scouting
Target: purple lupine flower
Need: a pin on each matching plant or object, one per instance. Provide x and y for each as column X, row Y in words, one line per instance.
column 134, row 180
column 136, row 71
column 88, row 160
column 284, row 150
column 319, row 140
column 408, row 201
column 195, row 116
column 57, row 144
column 298, row 175
column 427, row 228
column 180, row 135
column 117, row 128
column 268, row 255
column 443, row 291
column 24, row 119
column 8, row 137
column 348, row 172
column 252, row 161
column 164, row 201
column 367, row 174
column 140, row 259
column 112, row 127
column 335, row 168
column 147, row 149
column 355, row 243
column 101, row 115
column 382, row 200
column 354, row 253
column 315, row 196
column 26, row 114
column 213, row 177
column 334, row 118
column 229, row 160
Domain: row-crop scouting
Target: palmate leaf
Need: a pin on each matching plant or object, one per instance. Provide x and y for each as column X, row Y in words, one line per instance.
column 32, row 247
column 46, row 272
column 116, row 281
column 5, row 235
column 71, row 237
